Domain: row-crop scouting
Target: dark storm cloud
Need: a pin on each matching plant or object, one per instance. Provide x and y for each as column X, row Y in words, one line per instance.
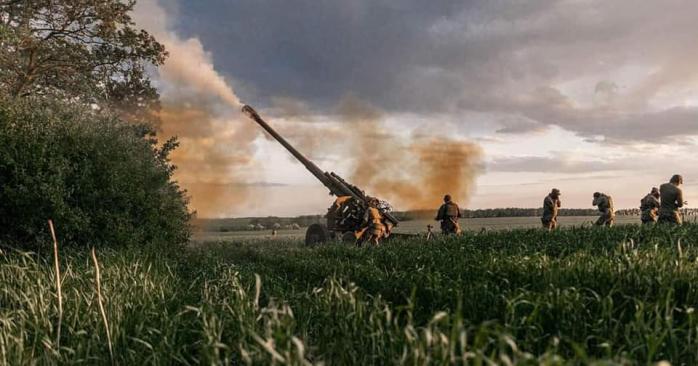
column 315, row 50
column 443, row 56
column 547, row 106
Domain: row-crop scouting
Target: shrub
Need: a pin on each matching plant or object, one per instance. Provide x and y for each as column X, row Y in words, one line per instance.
column 103, row 181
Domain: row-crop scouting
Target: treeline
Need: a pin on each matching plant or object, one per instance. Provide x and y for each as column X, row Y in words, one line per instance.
column 523, row 212
column 271, row 222
column 496, row 212
column 257, row 223
column 636, row 212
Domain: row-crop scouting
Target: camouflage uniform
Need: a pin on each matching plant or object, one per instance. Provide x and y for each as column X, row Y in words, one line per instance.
column 649, row 207
column 605, row 205
column 671, row 202
column 551, row 206
column 374, row 228
column 448, row 214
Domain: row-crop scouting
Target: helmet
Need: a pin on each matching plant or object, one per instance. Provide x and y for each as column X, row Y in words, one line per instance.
column 447, row 198
column 655, row 190
column 676, row 179
column 555, row 192
column 597, row 194
column 384, row 206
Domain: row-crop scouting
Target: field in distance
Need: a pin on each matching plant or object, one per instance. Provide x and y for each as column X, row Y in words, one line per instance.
column 213, row 232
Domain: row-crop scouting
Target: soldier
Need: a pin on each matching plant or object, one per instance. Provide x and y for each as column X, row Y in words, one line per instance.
column 671, row 201
column 448, row 214
column 605, row 204
column 375, row 229
column 649, row 207
column 551, row 206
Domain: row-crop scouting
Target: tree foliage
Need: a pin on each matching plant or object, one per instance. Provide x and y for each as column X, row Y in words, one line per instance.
column 103, row 181
column 88, row 50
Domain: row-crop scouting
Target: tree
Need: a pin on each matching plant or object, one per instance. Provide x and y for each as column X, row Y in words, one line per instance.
column 86, row 50
column 105, row 182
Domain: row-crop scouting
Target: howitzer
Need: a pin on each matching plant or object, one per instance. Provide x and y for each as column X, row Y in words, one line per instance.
column 343, row 216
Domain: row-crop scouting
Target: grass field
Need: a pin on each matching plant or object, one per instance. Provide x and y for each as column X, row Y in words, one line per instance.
column 625, row 295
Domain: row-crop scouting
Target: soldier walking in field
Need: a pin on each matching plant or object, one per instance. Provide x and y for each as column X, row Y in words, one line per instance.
column 649, row 207
column 604, row 203
column 448, row 214
column 551, row 206
column 671, row 201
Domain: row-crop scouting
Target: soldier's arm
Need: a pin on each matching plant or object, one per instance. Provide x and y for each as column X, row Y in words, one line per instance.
column 440, row 214
column 559, row 203
column 459, row 213
column 679, row 198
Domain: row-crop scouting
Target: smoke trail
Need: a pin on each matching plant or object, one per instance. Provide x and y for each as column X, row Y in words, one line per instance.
column 202, row 110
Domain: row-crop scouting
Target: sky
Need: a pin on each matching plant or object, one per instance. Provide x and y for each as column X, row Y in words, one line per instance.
column 580, row 95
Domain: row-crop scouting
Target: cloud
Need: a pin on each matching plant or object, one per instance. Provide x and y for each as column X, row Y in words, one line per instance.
column 548, row 106
column 511, row 125
column 557, row 164
column 511, row 58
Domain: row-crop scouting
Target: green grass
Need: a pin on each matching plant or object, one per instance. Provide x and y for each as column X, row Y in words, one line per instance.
column 580, row 295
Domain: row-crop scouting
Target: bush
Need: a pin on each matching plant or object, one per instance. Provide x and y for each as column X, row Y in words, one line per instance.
column 103, row 181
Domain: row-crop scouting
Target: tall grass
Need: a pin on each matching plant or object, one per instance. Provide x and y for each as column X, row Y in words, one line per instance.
column 625, row 295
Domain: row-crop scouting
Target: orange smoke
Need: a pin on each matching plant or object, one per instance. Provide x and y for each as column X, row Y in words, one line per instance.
column 419, row 178
column 214, row 159
column 412, row 173
column 214, row 156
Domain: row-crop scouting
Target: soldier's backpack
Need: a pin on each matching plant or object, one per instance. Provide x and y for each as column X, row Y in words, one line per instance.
column 451, row 210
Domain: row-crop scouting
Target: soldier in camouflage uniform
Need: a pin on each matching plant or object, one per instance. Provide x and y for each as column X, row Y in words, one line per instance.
column 448, row 214
column 375, row 228
column 671, row 201
column 551, row 206
column 604, row 203
column 649, row 207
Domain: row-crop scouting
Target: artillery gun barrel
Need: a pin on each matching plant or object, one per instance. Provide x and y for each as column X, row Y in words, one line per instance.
column 317, row 172
column 333, row 182
column 336, row 187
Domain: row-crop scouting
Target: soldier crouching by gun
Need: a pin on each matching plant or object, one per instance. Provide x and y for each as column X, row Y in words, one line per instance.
column 374, row 226
column 448, row 214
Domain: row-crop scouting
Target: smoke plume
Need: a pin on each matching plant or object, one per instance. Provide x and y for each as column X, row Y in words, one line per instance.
column 412, row 173
column 215, row 156
column 202, row 110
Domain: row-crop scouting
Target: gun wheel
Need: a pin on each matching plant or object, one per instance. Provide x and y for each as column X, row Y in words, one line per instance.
column 316, row 234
